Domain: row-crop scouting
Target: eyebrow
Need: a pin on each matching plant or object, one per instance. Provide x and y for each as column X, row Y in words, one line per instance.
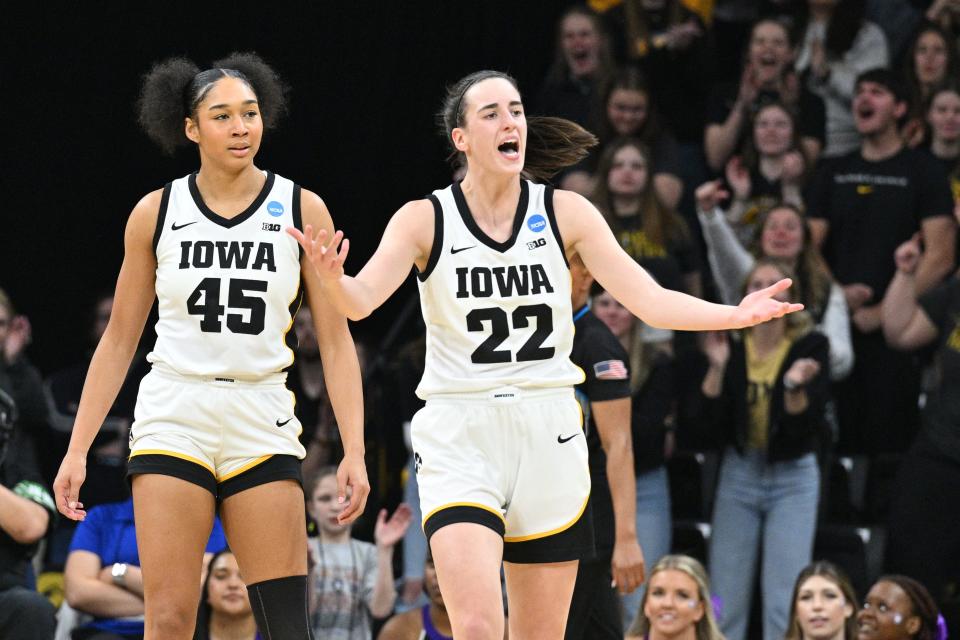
column 224, row 105
column 493, row 105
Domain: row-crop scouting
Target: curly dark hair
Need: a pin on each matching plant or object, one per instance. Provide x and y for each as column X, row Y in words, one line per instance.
column 923, row 604
column 172, row 89
column 552, row 143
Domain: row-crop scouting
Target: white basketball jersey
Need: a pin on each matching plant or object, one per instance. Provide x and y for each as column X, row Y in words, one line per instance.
column 497, row 313
column 227, row 288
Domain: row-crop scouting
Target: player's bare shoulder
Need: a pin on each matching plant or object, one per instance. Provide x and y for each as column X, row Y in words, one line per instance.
column 142, row 222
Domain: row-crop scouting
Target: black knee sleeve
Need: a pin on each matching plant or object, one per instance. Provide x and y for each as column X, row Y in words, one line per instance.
column 280, row 608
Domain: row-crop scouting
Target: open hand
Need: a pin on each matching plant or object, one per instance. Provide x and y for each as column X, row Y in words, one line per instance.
column 389, row 531
column 761, row 306
column 325, row 256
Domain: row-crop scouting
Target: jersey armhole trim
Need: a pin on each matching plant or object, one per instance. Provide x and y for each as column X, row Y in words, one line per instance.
column 161, row 215
column 437, row 247
column 548, row 205
column 297, row 215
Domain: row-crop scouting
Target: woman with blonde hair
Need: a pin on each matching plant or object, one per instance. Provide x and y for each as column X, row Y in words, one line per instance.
column 677, row 603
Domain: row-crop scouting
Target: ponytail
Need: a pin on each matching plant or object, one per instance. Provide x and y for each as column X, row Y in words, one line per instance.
column 554, row 144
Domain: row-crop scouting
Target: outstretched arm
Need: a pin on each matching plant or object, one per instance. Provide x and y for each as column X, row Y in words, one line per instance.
column 586, row 233
column 406, row 242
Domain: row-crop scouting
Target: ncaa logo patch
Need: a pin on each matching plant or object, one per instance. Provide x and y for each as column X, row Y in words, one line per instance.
column 537, row 223
column 274, row 208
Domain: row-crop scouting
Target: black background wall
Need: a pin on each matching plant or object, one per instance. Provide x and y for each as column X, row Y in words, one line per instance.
column 366, row 79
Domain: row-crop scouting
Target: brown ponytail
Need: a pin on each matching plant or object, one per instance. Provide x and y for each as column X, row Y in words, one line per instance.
column 554, row 144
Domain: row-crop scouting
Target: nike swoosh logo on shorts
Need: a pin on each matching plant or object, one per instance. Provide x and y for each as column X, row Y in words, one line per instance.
column 454, row 250
column 175, row 227
column 280, row 424
column 561, row 439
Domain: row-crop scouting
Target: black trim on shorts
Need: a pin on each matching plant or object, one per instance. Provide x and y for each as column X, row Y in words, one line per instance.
column 573, row 543
column 462, row 513
column 165, row 465
column 276, row 467
column 552, row 217
column 437, row 247
column 161, row 215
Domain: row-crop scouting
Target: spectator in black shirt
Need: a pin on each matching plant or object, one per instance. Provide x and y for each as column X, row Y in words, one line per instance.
column 861, row 207
column 924, row 540
column 26, row 512
column 581, row 64
column 605, row 400
column 767, row 76
column 650, row 232
column 770, row 170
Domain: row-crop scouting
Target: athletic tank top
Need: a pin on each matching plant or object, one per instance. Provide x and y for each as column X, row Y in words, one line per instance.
column 227, row 289
column 497, row 313
column 429, row 631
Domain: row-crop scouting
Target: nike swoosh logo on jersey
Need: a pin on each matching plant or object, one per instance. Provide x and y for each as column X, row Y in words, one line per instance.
column 561, row 439
column 175, row 227
column 454, row 250
column 280, row 424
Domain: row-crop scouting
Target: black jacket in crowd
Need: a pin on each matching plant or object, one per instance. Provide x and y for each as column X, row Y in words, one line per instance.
column 724, row 420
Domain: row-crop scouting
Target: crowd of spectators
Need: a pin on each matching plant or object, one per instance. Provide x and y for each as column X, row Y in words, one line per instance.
column 739, row 142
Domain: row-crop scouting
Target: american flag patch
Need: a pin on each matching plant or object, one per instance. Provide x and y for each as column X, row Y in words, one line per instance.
column 610, row 370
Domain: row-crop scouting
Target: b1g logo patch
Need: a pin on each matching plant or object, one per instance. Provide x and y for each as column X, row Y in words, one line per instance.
column 274, row 208
column 537, row 223
column 269, row 226
column 539, row 242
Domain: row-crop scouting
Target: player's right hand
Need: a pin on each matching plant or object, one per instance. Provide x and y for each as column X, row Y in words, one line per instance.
column 327, row 258
column 66, row 487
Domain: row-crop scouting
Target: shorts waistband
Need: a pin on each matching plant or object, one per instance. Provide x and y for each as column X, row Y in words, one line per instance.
column 503, row 395
column 271, row 379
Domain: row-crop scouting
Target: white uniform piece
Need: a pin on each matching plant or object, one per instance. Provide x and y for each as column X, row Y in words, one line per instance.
column 497, row 314
column 227, row 291
column 501, row 430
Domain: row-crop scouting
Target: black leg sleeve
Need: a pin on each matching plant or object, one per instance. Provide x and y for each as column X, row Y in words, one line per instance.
column 280, row 608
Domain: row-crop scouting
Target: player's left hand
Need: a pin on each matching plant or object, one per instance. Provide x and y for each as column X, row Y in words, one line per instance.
column 761, row 306
column 352, row 473
column 389, row 531
column 627, row 566
column 325, row 253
